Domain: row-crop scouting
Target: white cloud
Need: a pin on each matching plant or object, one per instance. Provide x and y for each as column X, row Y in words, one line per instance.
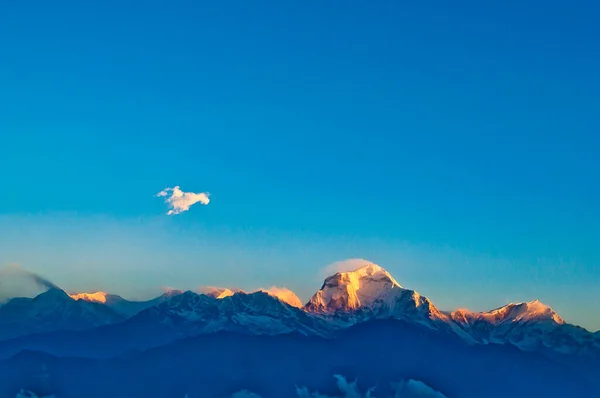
column 415, row 389
column 350, row 390
column 348, row 265
column 245, row 394
column 180, row 201
column 405, row 389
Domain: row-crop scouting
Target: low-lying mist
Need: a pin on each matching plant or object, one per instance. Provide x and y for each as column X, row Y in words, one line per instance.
column 404, row 389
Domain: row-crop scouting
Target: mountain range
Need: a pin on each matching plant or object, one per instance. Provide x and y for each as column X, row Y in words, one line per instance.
column 100, row 327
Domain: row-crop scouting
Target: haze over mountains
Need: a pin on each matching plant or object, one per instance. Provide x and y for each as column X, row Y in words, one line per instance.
column 355, row 311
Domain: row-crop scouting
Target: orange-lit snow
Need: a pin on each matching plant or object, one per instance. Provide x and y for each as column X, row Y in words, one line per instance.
column 350, row 290
column 521, row 312
column 284, row 294
column 216, row 292
column 97, row 297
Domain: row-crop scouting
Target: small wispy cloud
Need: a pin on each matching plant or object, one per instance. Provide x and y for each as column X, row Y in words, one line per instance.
column 349, row 389
column 180, row 201
column 405, row 389
column 245, row 394
column 17, row 282
column 348, row 265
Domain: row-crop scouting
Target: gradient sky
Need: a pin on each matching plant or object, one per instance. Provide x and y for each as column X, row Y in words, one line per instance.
column 454, row 143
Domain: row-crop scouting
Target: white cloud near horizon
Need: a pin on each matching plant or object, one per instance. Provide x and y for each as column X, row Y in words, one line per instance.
column 180, row 201
column 348, row 265
column 245, row 394
column 405, row 389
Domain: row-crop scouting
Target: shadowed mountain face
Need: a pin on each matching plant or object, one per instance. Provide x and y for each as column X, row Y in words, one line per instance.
column 376, row 353
column 55, row 310
column 124, row 307
column 50, row 311
column 184, row 315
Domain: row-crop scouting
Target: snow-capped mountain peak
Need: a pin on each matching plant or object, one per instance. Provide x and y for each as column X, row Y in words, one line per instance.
column 353, row 290
column 98, row 297
column 528, row 325
column 216, row 292
column 284, row 294
column 370, row 292
column 530, row 311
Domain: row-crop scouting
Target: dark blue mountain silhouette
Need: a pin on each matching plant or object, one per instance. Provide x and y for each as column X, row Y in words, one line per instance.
column 375, row 352
column 160, row 325
column 52, row 310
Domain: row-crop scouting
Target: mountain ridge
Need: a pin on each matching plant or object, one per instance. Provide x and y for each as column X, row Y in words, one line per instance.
column 52, row 310
column 345, row 299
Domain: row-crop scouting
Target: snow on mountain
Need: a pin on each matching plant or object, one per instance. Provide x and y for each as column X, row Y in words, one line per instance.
column 50, row 311
column 530, row 326
column 97, row 297
column 345, row 299
column 370, row 292
column 532, row 311
column 348, row 291
column 254, row 313
column 122, row 306
column 217, row 292
column 282, row 293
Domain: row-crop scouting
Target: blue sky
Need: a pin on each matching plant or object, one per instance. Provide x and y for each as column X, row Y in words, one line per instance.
column 455, row 145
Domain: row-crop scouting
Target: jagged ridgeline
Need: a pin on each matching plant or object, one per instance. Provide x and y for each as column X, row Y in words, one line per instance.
column 362, row 324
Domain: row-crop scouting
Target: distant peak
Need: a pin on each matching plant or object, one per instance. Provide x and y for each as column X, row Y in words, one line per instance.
column 54, row 293
column 224, row 293
column 369, row 271
column 528, row 311
column 172, row 292
column 532, row 306
column 350, row 290
column 96, row 297
column 284, row 294
column 537, row 310
column 371, row 268
column 217, row 292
